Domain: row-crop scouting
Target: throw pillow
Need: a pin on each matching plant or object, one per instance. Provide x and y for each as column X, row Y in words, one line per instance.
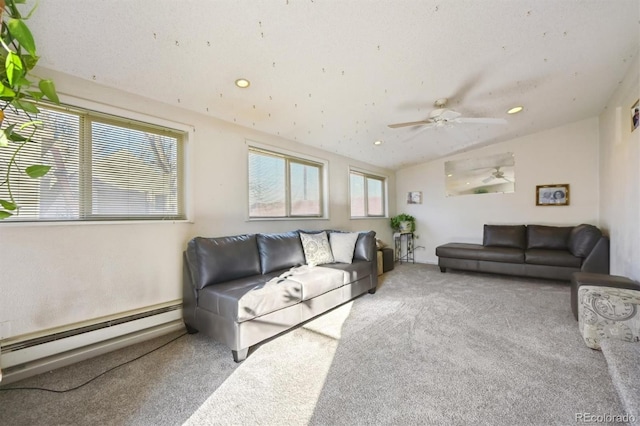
column 317, row 250
column 343, row 245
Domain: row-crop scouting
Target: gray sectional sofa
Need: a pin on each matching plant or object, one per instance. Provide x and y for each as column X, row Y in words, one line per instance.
column 554, row 252
column 241, row 290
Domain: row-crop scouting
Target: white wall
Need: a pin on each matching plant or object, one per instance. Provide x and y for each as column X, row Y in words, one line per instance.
column 60, row 275
column 567, row 154
column 620, row 176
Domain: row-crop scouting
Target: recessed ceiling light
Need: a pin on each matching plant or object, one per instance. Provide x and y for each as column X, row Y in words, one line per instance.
column 515, row 110
column 449, row 175
column 242, row 83
column 378, row 142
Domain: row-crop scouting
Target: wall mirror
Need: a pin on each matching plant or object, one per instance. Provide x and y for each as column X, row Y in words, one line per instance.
column 481, row 175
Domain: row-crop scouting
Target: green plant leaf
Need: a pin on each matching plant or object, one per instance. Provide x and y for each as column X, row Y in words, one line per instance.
column 25, row 106
column 8, row 205
column 49, row 90
column 16, row 137
column 35, row 95
column 23, row 82
column 4, row 214
column 29, row 61
column 22, row 33
column 6, row 92
column 4, row 141
column 37, row 170
column 14, row 68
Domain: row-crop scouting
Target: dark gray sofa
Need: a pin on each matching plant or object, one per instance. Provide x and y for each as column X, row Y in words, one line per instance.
column 241, row 290
column 553, row 252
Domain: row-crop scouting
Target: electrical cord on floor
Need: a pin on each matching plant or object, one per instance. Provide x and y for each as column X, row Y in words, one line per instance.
column 99, row 375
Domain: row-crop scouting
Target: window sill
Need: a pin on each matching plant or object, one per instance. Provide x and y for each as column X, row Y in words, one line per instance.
column 93, row 222
column 280, row 219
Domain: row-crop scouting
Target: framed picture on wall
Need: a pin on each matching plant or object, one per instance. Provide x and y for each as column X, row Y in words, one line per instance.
column 635, row 116
column 414, row 197
column 552, row 195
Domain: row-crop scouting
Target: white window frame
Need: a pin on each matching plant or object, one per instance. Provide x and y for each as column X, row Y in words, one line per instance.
column 299, row 157
column 115, row 115
column 385, row 192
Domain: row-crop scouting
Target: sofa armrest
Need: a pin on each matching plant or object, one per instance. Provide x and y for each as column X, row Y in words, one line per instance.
column 189, row 293
column 366, row 250
column 366, row 247
column 598, row 260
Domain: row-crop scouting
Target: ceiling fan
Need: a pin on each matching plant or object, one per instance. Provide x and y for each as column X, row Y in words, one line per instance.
column 442, row 116
column 497, row 174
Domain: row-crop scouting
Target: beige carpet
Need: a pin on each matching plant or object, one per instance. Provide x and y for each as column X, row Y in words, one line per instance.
column 427, row 348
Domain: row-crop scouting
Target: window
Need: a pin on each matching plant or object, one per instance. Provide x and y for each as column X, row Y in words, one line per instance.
column 102, row 168
column 367, row 194
column 281, row 185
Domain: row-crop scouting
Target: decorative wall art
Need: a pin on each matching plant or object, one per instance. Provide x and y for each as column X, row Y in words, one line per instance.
column 480, row 175
column 635, row 115
column 414, row 197
column 552, row 195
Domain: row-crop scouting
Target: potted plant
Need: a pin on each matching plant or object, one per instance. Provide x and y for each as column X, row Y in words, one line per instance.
column 19, row 94
column 403, row 223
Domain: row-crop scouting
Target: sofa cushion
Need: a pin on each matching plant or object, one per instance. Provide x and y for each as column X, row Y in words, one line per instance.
column 552, row 258
column 583, row 239
column 251, row 297
column 317, row 250
column 355, row 271
column 478, row 252
column 222, row 259
column 548, row 237
column 280, row 251
column 316, row 280
column 343, row 245
column 504, row 236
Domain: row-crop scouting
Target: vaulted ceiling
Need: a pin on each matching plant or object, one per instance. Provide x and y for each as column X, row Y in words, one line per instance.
column 333, row 74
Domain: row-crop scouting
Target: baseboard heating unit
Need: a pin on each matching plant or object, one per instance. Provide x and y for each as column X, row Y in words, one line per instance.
column 27, row 356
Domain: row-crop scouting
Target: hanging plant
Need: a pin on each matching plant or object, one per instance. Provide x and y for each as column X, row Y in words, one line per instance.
column 19, row 92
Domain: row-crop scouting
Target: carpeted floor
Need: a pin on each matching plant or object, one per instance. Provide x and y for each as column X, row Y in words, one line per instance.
column 427, row 348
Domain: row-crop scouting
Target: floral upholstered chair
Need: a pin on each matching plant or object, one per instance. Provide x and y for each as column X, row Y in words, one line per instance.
column 608, row 313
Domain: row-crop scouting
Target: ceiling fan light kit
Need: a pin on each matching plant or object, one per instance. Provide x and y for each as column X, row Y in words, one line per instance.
column 441, row 103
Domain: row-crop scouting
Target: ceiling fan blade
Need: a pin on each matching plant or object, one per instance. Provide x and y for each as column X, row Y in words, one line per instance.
column 478, row 120
column 488, row 179
column 420, row 131
column 410, row 123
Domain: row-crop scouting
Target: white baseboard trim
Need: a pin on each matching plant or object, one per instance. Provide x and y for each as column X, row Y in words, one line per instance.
column 22, row 363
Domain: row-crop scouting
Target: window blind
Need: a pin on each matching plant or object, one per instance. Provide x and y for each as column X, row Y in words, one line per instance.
column 102, row 168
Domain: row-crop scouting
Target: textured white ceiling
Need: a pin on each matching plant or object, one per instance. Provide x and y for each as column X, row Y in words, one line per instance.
column 334, row 74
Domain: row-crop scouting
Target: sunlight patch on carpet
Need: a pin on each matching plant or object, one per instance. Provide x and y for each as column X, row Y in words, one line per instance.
column 287, row 379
